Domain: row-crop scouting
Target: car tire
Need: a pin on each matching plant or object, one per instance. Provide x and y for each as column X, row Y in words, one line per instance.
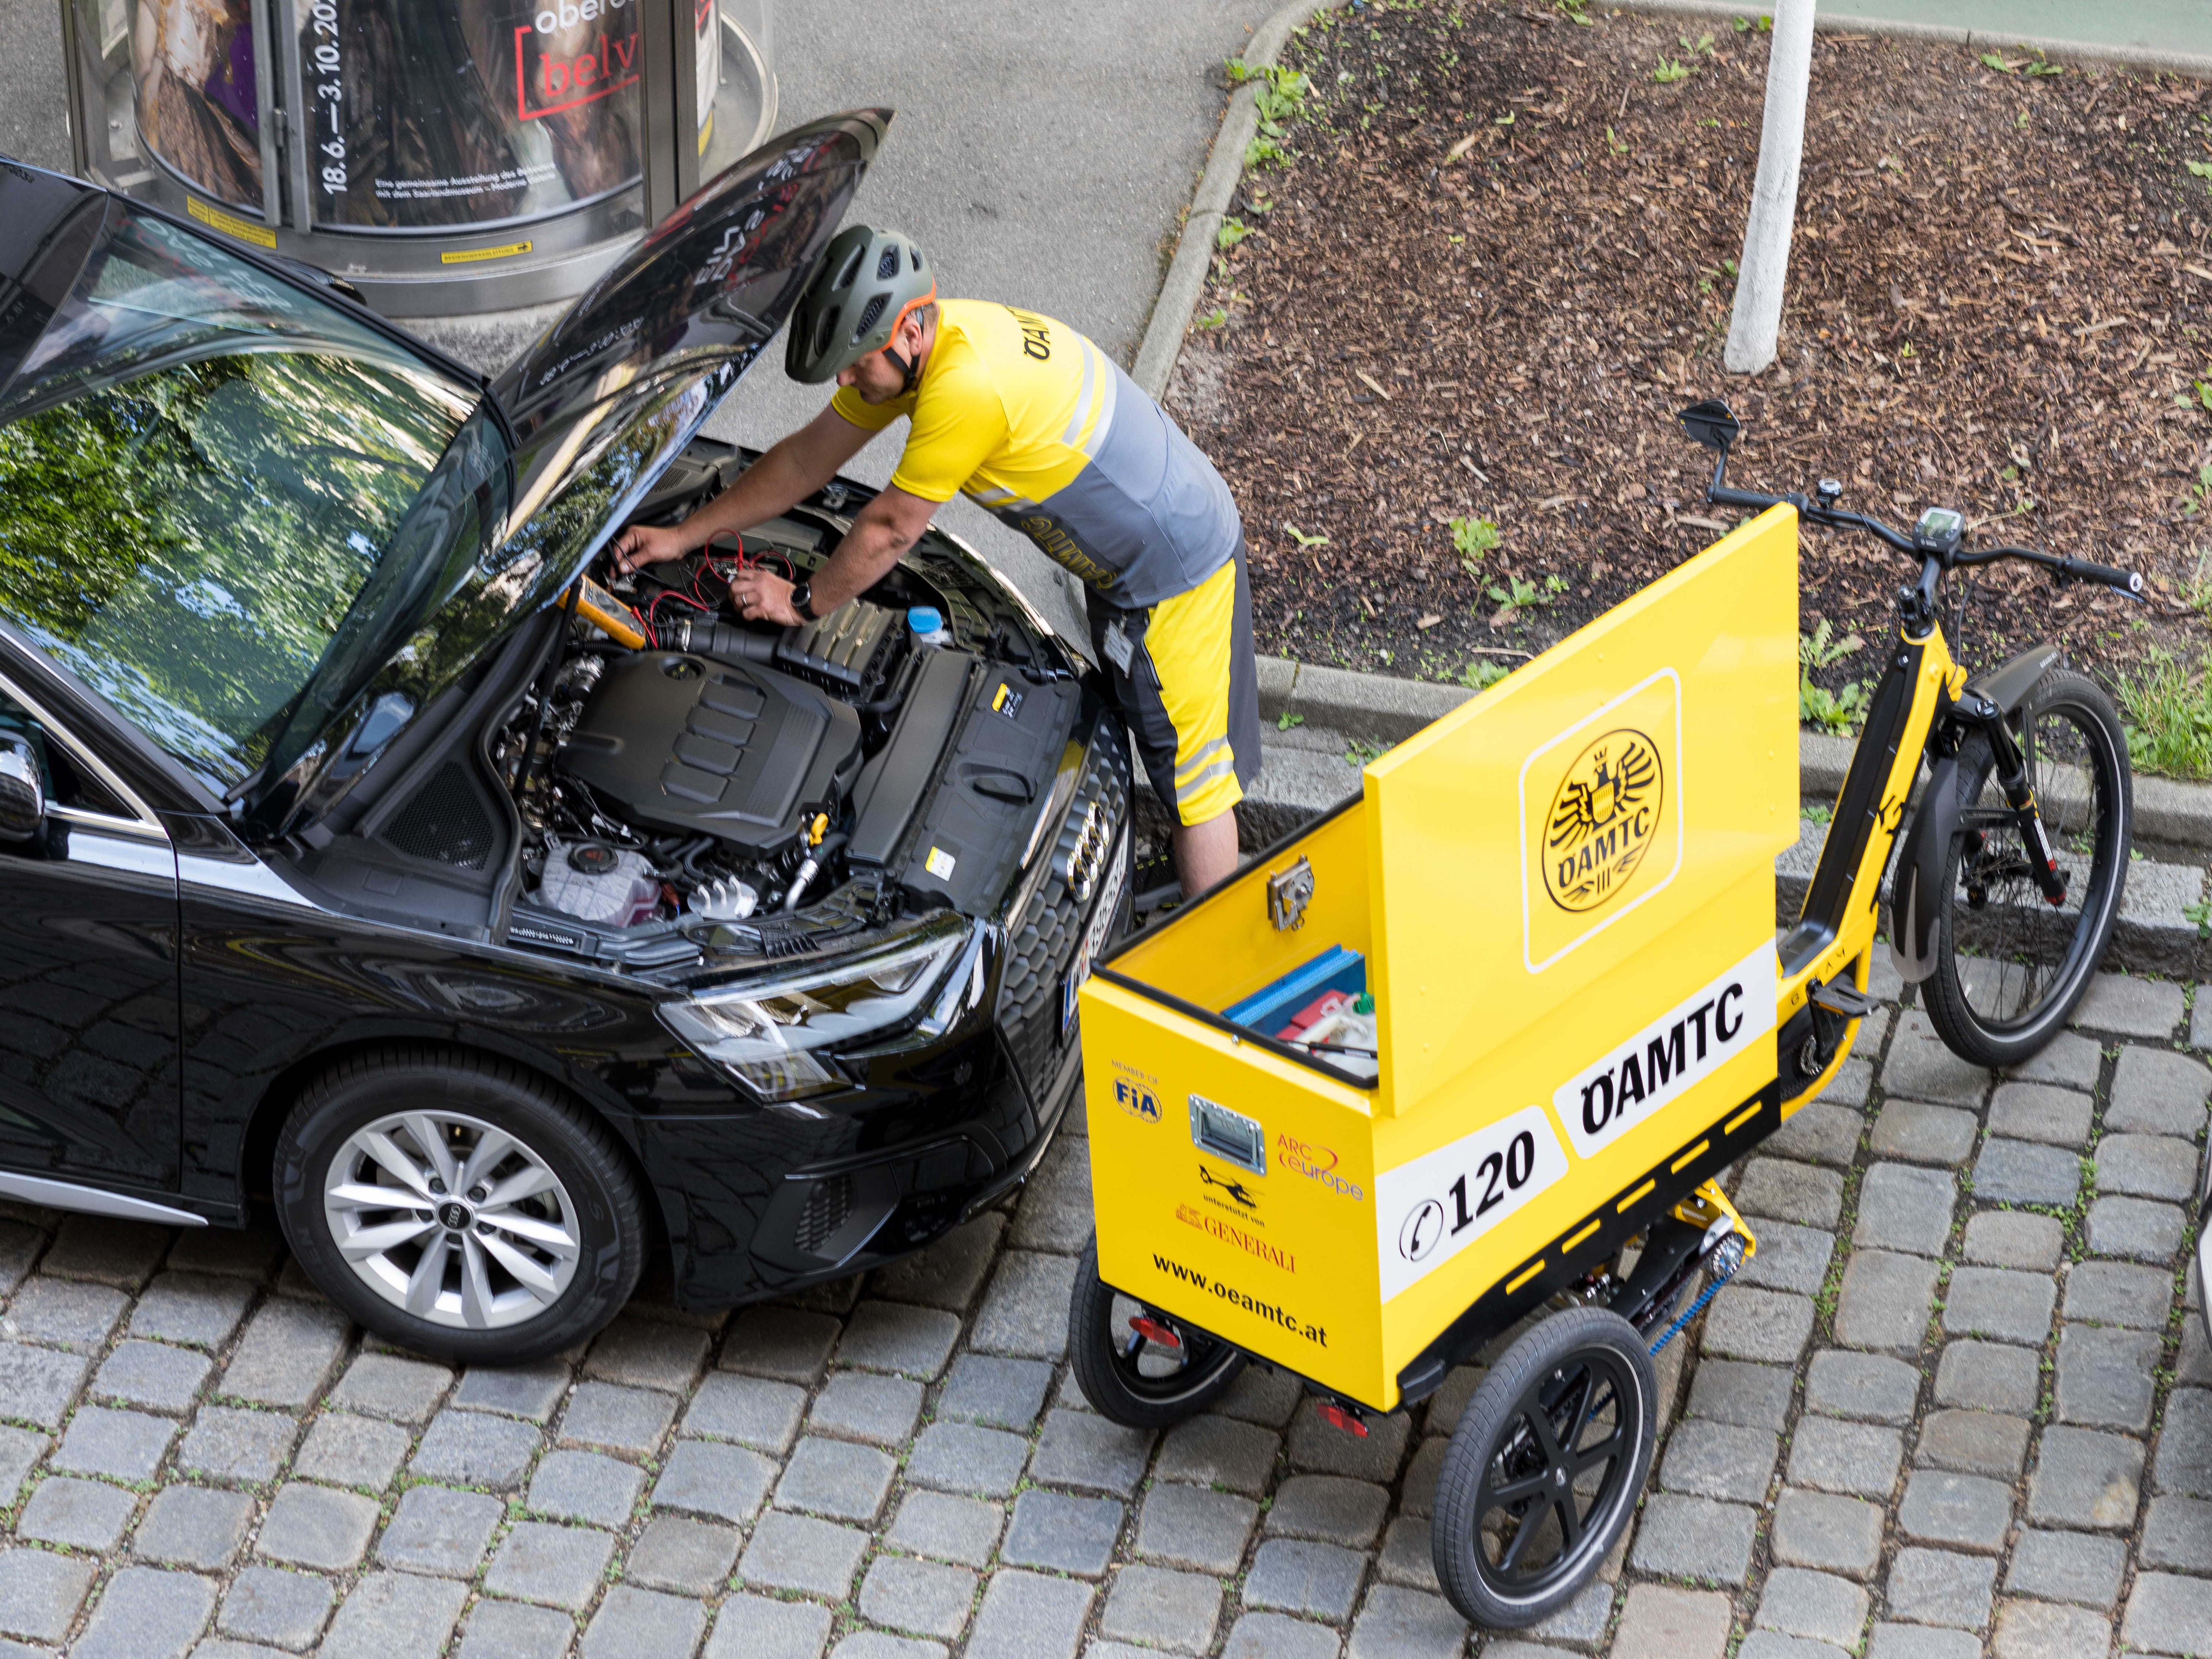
column 529, row 1255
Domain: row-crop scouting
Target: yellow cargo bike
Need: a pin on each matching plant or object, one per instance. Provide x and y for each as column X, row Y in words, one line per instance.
column 1466, row 1055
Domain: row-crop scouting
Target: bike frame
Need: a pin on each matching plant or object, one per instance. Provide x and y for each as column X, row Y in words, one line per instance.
column 1924, row 705
column 1835, row 932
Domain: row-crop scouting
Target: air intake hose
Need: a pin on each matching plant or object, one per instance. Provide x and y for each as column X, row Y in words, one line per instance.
column 720, row 642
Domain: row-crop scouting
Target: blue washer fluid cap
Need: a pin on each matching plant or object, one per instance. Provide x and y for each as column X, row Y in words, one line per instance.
column 924, row 619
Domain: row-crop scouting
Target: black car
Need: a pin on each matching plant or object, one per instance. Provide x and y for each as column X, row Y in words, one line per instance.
column 355, row 860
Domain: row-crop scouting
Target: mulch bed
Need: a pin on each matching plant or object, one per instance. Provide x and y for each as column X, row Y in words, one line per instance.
column 1998, row 302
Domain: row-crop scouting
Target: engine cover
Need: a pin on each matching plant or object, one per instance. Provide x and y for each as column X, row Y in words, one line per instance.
column 684, row 744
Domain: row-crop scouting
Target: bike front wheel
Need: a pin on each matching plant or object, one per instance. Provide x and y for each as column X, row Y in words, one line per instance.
column 2009, row 965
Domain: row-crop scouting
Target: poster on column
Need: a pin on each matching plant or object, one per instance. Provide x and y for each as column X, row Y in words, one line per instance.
column 467, row 114
column 192, row 67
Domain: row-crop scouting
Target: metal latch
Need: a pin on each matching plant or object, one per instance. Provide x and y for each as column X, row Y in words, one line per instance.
column 1289, row 892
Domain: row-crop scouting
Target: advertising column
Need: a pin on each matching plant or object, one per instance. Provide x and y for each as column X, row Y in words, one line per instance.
column 429, row 115
column 192, row 66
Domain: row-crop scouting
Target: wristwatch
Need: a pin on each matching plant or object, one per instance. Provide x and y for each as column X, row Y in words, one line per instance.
column 802, row 600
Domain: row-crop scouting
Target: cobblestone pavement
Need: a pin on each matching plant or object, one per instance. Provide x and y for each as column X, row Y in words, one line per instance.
column 1952, row 1407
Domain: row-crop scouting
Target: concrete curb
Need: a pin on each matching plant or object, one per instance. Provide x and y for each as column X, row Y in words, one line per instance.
column 1217, row 186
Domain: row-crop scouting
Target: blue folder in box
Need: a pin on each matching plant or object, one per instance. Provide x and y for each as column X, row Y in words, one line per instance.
column 1269, row 1009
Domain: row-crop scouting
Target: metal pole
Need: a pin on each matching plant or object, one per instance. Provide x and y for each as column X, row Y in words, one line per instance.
column 80, row 136
column 267, row 44
column 668, row 102
column 300, row 114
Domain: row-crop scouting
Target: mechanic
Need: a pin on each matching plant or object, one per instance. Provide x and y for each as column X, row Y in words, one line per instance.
column 1034, row 423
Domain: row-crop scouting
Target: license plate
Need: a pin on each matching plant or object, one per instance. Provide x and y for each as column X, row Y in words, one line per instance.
column 1094, row 938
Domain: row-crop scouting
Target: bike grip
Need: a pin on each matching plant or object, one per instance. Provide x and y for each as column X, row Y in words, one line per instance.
column 2127, row 581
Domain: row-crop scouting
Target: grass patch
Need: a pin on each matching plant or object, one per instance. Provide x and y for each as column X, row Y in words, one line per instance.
column 2167, row 710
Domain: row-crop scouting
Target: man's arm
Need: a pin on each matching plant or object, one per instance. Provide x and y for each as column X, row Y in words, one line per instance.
column 882, row 530
column 797, row 466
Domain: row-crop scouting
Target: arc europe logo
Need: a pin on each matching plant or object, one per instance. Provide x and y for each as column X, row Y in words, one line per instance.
column 1605, row 815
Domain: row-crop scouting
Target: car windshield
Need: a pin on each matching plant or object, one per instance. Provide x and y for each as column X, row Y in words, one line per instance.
column 202, row 467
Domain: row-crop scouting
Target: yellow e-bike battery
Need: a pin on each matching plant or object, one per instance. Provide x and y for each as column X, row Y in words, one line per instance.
column 1563, row 893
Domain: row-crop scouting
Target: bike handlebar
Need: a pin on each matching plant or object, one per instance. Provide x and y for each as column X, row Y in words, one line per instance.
column 2128, row 582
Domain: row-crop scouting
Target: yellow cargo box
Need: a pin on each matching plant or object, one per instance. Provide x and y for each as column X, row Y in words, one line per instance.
column 1562, row 898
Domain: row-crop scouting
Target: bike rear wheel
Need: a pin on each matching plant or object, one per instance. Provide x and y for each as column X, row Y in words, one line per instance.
column 2010, row 966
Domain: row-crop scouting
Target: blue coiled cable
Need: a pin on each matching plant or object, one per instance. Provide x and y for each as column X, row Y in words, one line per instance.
column 1731, row 1248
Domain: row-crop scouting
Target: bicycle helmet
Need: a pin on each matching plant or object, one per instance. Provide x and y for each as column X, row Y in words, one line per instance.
column 867, row 283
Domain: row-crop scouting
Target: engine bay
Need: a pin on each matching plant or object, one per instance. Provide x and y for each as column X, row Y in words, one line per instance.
column 726, row 786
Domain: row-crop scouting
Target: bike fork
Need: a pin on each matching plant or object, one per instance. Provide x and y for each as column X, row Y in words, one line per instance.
column 2011, row 769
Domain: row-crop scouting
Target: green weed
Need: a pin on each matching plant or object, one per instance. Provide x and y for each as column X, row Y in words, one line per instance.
column 2168, row 714
column 1301, row 537
column 1821, row 648
column 1835, row 712
column 1762, row 25
column 1286, row 719
column 1473, row 538
column 1279, row 99
column 2034, row 64
column 2197, row 595
column 1483, row 673
column 1518, row 595
column 1670, row 71
column 1232, row 232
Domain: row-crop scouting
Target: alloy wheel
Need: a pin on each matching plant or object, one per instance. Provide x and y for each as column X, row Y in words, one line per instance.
column 452, row 1220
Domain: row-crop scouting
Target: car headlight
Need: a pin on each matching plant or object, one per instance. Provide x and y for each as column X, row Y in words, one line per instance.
column 768, row 1032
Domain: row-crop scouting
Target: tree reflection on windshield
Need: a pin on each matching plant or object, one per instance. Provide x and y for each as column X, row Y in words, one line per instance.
column 202, row 468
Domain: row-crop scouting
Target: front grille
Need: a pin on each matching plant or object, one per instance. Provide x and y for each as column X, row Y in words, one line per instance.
column 446, row 823
column 1043, row 945
column 827, row 1207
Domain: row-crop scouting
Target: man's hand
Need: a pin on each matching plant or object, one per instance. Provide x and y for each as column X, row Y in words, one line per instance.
column 643, row 544
column 760, row 597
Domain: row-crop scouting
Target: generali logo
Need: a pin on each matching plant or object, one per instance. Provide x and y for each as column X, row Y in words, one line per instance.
column 1601, row 818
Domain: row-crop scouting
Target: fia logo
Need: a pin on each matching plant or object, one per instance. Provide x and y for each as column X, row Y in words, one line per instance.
column 1604, row 817
column 1136, row 1099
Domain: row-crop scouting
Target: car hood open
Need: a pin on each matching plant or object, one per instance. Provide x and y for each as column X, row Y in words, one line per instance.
column 570, row 437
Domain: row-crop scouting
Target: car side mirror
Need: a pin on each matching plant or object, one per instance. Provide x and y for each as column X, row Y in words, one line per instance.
column 1712, row 423
column 23, row 796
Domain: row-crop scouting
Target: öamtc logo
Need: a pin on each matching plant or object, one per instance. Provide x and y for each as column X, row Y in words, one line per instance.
column 1604, row 817
column 1601, row 818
